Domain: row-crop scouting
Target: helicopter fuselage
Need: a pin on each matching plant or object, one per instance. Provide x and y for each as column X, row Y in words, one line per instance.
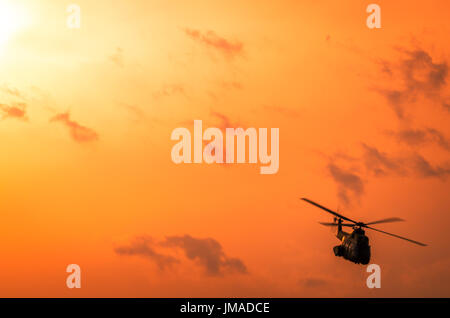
column 354, row 247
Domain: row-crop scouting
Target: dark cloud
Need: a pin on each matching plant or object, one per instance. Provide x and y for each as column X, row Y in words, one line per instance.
column 419, row 137
column 313, row 282
column 16, row 110
column 211, row 39
column 78, row 132
column 439, row 138
column 385, row 66
column 420, row 75
column 350, row 184
column 446, row 106
column 380, row 163
column 423, row 168
column 374, row 162
column 207, row 253
column 143, row 246
column 412, row 137
column 396, row 100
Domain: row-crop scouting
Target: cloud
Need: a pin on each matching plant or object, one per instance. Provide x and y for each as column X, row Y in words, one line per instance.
column 207, row 253
column 137, row 112
column 446, row 106
column 374, row 162
column 412, row 137
column 169, row 90
column 379, row 163
column 78, row 132
column 350, row 185
column 439, row 138
column 419, row 137
column 12, row 91
column 117, row 58
column 424, row 169
column 16, row 110
column 313, row 282
column 396, row 100
column 225, row 121
column 382, row 164
column 142, row 246
column 421, row 76
column 212, row 40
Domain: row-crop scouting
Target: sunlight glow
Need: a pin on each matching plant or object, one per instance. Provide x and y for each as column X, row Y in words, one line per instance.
column 12, row 19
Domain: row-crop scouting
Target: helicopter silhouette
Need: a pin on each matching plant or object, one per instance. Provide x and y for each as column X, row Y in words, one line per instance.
column 355, row 246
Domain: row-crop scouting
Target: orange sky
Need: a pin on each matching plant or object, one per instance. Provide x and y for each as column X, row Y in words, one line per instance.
column 86, row 175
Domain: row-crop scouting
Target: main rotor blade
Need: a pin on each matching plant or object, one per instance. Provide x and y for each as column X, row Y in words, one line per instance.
column 335, row 224
column 397, row 236
column 328, row 210
column 388, row 220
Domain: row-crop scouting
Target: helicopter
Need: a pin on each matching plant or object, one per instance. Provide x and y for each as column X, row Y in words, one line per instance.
column 355, row 246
